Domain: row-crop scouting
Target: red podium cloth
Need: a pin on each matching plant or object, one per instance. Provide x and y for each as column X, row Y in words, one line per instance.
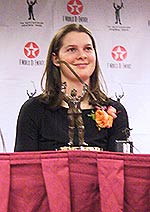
column 4, row 183
column 111, row 184
column 74, row 181
column 56, row 176
column 137, row 185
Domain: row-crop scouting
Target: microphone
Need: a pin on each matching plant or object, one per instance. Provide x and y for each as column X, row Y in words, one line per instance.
column 80, row 80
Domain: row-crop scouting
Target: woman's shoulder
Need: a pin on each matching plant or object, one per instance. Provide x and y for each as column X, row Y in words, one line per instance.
column 32, row 104
column 116, row 104
column 32, row 101
column 37, row 104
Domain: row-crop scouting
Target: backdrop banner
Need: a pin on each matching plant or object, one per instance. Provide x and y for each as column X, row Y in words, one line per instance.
column 123, row 45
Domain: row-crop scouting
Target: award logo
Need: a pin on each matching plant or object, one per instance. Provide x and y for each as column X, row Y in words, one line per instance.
column 31, row 15
column 119, row 9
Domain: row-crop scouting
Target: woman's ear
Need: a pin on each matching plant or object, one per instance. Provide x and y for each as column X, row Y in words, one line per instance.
column 55, row 59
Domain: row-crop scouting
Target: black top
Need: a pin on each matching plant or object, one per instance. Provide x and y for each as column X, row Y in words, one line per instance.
column 40, row 128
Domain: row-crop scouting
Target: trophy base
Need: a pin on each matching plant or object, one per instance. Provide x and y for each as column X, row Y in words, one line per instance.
column 83, row 148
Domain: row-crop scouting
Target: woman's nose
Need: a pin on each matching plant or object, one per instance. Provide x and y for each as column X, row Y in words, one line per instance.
column 82, row 54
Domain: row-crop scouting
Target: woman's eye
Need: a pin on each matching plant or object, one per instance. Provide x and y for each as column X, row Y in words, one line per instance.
column 89, row 48
column 71, row 50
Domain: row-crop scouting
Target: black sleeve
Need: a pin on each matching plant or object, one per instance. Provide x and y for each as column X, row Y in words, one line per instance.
column 120, row 129
column 27, row 127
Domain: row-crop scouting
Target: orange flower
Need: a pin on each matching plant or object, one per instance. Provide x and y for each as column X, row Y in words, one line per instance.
column 104, row 116
column 103, row 119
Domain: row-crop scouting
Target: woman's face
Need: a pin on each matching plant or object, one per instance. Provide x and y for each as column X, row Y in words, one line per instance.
column 77, row 50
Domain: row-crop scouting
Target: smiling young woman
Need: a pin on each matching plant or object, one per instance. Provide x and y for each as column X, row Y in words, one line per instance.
column 58, row 114
column 79, row 54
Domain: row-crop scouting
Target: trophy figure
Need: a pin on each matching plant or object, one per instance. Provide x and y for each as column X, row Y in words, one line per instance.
column 74, row 114
column 31, row 94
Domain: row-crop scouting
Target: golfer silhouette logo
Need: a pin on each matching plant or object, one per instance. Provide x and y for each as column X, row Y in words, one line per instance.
column 118, row 8
column 30, row 9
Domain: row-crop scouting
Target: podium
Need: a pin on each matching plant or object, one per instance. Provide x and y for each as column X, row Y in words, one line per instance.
column 74, row 181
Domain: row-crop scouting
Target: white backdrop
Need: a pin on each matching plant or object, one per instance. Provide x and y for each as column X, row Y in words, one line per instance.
column 123, row 51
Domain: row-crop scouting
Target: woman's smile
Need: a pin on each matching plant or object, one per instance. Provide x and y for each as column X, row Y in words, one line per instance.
column 81, row 65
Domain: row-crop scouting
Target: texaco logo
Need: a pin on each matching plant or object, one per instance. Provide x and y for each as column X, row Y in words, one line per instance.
column 119, row 53
column 75, row 7
column 31, row 50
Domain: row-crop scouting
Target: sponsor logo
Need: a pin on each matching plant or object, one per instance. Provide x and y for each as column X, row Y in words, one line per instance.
column 75, row 8
column 31, row 51
column 119, row 54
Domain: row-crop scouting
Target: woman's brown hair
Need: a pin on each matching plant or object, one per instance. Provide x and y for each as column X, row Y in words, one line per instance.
column 52, row 89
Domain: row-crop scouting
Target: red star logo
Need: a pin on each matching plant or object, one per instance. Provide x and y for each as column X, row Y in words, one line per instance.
column 119, row 53
column 75, row 7
column 31, row 50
